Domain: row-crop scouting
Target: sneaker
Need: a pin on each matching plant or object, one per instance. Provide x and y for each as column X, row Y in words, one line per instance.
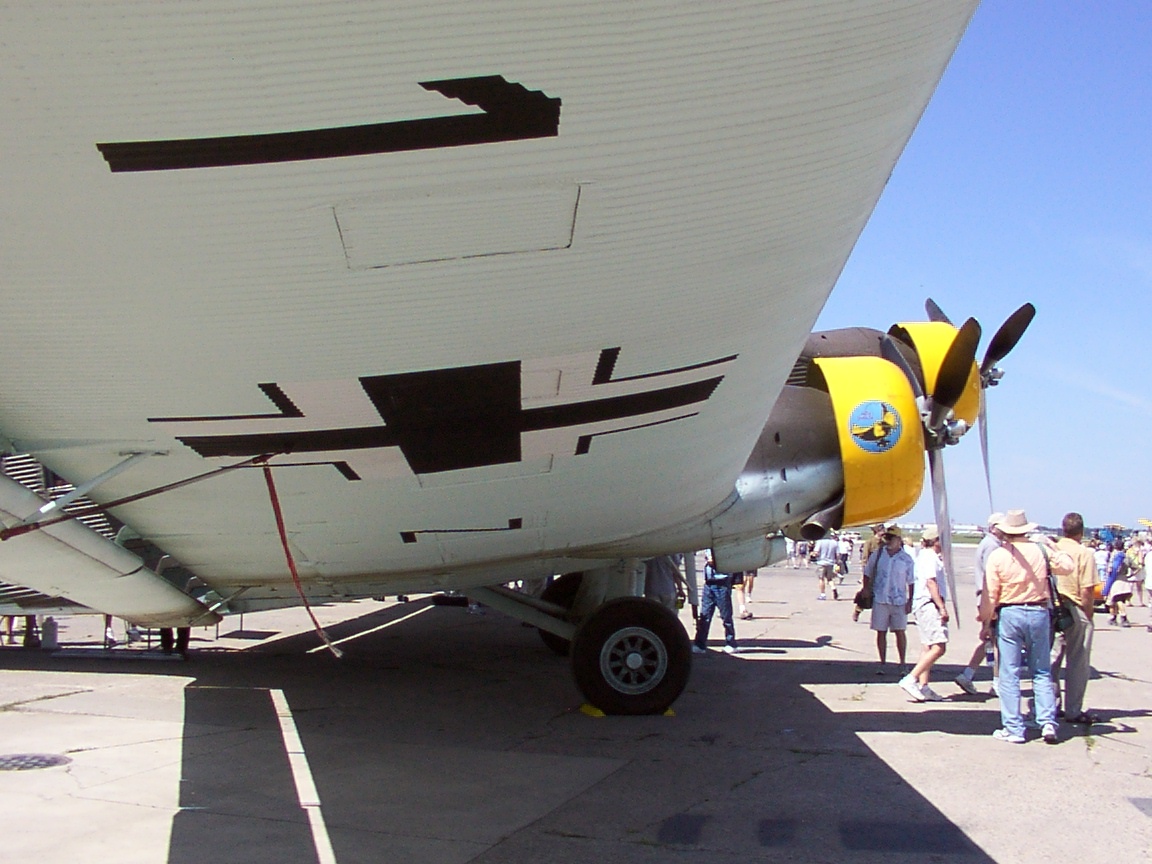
column 696, row 649
column 1049, row 733
column 1005, row 735
column 822, row 597
column 1112, row 620
column 931, row 695
column 995, row 688
column 965, row 684
column 731, row 649
column 909, row 686
column 1124, row 621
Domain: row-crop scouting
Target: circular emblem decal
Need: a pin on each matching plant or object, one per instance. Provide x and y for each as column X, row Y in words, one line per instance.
column 875, row 426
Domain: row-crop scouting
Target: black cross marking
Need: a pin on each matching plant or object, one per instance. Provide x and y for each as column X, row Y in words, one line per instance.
column 511, row 113
column 458, row 418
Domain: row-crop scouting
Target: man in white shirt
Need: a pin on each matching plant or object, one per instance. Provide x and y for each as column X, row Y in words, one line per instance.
column 928, row 604
column 888, row 578
column 826, row 551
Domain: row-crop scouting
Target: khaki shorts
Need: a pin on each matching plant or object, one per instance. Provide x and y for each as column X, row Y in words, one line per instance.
column 889, row 616
column 933, row 631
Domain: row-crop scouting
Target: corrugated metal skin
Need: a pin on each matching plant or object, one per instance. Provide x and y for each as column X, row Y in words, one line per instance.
column 727, row 157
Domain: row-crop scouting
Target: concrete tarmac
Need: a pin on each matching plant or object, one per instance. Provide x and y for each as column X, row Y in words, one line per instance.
column 445, row 737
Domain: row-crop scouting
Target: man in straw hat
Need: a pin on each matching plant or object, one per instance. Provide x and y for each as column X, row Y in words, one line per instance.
column 888, row 580
column 1016, row 594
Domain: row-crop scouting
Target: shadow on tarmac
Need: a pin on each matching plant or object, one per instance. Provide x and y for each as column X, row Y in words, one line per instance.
column 460, row 739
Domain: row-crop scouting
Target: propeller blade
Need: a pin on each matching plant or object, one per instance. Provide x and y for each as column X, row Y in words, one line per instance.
column 983, row 421
column 1007, row 336
column 891, row 352
column 957, row 365
column 935, row 313
column 943, row 524
column 899, row 334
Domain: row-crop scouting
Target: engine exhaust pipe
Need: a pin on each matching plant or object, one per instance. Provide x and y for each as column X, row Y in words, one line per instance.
column 823, row 521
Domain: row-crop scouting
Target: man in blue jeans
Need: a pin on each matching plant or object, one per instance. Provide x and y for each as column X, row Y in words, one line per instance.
column 717, row 594
column 1016, row 593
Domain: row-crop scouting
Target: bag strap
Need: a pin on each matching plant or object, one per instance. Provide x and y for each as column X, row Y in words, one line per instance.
column 1053, row 588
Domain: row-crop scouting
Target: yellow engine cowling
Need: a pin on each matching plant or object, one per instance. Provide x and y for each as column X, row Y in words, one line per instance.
column 932, row 339
column 881, row 438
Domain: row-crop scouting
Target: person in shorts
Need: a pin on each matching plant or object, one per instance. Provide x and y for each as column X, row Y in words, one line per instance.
column 888, row 578
column 929, row 599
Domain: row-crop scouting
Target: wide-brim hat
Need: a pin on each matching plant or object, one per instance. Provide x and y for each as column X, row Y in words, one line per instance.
column 893, row 531
column 1015, row 522
column 930, row 532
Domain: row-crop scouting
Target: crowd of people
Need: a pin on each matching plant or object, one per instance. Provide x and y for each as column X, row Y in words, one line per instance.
column 1036, row 597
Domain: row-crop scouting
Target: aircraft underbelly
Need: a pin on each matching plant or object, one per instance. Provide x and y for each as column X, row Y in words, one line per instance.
column 234, row 230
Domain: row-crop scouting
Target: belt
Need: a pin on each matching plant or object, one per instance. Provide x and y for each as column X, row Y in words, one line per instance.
column 1036, row 603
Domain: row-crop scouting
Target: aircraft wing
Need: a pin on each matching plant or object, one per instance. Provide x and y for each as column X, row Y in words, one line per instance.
column 491, row 285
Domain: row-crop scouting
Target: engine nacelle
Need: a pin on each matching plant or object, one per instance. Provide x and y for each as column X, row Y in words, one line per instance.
column 844, row 444
column 880, row 435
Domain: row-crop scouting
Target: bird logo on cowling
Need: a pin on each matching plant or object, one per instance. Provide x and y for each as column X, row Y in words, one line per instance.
column 875, row 426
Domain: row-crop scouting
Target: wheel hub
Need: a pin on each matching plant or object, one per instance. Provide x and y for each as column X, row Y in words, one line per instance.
column 633, row 660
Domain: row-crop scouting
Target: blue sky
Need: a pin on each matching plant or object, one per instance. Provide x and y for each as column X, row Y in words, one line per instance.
column 1029, row 179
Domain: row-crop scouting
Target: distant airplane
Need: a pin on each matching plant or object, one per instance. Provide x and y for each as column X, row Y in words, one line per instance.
column 330, row 304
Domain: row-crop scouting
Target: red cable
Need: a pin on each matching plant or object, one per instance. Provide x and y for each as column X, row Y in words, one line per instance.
column 291, row 562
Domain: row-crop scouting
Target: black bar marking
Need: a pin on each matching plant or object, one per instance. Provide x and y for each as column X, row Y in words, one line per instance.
column 315, row 441
column 511, row 113
column 584, row 442
column 515, row 524
column 619, row 407
column 287, row 409
column 606, row 365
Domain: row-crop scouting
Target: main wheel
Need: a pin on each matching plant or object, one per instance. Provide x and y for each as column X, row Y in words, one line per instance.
column 631, row 656
column 561, row 591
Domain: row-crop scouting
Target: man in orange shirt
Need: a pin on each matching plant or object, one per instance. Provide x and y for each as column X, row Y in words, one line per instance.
column 1075, row 644
column 1016, row 593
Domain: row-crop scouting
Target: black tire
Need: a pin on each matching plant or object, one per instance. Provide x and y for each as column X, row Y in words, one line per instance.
column 561, row 591
column 631, row 656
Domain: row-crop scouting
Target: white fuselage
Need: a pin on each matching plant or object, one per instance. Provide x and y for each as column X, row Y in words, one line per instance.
column 711, row 169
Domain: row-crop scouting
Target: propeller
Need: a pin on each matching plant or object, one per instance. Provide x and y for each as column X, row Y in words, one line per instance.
column 999, row 347
column 1004, row 341
column 935, row 410
column 935, row 313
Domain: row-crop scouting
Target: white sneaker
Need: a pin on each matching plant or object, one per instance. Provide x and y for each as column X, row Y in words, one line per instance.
column 1049, row 734
column 1005, row 735
column 931, row 695
column 965, row 684
column 909, row 685
column 731, row 649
